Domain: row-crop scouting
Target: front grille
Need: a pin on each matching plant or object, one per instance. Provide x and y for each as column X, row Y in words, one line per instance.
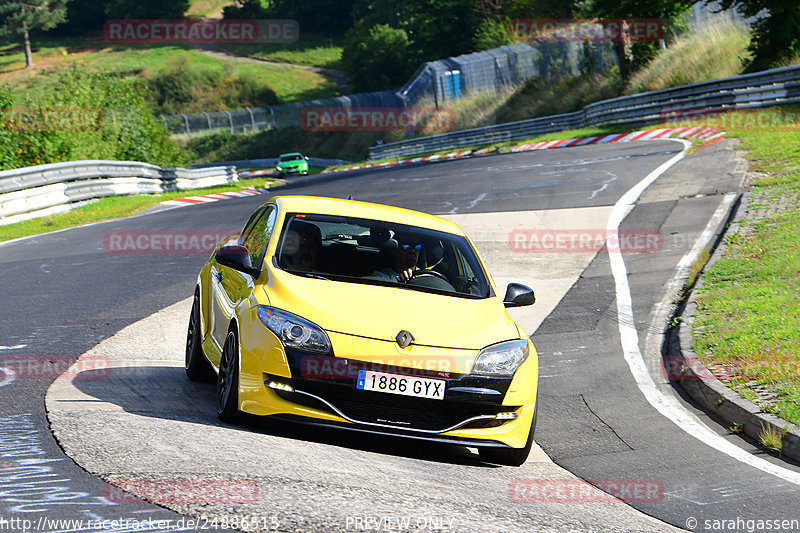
column 334, row 380
column 393, row 410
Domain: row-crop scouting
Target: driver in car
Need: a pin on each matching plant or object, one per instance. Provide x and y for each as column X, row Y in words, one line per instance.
column 405, row 258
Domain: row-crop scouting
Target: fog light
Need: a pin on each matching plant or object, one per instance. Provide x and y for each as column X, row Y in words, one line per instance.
column 513, row 415
column 280, row 386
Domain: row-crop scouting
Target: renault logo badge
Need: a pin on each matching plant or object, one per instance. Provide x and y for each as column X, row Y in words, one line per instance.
column 404, row 339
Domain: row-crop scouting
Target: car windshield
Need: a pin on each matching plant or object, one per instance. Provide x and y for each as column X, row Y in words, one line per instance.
column 292, row 157
column 357, row 250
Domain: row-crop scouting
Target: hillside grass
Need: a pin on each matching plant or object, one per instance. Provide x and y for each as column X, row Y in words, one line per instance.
column 747, row 328
column 718, row 50
column 309, row 49
column 145, row 60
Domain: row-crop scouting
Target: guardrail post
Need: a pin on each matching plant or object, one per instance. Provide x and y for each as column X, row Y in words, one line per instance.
column 208, row 117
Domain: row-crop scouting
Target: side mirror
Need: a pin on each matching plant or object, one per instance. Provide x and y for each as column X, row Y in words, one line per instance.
column 236, row 257
column 306, row 158
column 518, row 295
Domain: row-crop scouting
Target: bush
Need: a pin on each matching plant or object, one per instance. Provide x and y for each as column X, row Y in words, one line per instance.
column 128, row 130
column 184, row 88
column 491, row 34
column 8, row 149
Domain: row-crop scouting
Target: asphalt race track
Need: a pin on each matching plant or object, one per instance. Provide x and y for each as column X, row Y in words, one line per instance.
column 65, row 293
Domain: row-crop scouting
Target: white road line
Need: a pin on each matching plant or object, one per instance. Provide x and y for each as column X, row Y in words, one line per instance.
column 476, row 201
column 7, row 376
column 691, row 256
column 15, row 347
column 629, row 338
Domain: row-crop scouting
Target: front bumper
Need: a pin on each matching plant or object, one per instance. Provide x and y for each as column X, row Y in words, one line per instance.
column 293, row 170
column 327, row 385
column 329, row 382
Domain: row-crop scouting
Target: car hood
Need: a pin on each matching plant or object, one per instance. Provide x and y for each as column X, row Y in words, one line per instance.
column 296, row 163
column 380, row 313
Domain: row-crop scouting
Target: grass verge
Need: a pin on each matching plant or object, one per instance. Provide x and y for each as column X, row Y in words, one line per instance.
column 747, row 325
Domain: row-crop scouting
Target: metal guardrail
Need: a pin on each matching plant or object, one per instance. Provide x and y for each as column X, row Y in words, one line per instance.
column 45, row 189
column 762, row 89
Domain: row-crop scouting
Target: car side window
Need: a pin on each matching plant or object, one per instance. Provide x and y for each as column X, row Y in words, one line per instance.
column 248, row 228
column 256, row 237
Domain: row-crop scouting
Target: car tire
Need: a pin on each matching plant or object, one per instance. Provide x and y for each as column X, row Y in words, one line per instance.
column 228, row 380
column 196, row 365
column 511, row 456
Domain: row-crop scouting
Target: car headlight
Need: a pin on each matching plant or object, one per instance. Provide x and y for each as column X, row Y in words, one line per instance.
column 294, row 331
column 501, row 359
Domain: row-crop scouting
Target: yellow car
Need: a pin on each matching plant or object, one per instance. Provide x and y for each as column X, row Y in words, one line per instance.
column 365, row 317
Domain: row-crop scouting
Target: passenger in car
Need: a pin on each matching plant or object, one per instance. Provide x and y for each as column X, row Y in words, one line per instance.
column 301, row 246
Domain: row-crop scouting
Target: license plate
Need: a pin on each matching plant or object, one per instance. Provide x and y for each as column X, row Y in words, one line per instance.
column 399, row 384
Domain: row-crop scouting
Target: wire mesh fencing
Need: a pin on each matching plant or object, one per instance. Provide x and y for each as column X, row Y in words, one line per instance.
column 446, row 80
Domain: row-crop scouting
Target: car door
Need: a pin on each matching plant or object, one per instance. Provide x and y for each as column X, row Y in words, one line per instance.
column 229, row 286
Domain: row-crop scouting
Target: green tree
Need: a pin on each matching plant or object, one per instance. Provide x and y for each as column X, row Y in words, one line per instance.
column 439, row 28
column 19, row 17
column 246, row 9
column 635, row 55
column 431, row 29
column 84, row 16
column 491, row 34
column 145, row 9
column 376, row 57
column 327, row 17
column 527, row 9
column 776, row 38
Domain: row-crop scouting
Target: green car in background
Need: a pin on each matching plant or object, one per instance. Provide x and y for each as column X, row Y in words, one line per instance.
column 293, row 163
